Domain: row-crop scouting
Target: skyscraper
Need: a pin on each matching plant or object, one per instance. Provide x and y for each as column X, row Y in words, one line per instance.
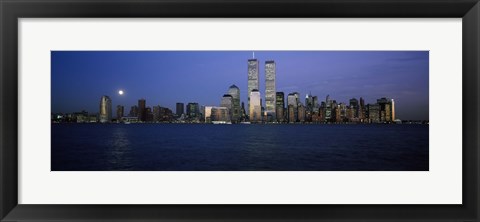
column 255, row 109
column 105, row 114
column 142, row 115
column 234, row 91
column 179, row 109
column 270, row 90
column 120, row 110
column 133, row 111
column 393, row 109
column 354, row 105
column 193, row 110
column 293, row 100
column 280, row 106
column 253, row 80
column 362, row 111
column 227, row 102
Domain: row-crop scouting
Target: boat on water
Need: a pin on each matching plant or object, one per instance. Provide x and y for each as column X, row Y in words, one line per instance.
column 244, row 122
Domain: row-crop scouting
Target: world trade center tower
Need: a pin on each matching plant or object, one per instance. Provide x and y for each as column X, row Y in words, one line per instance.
column 253, row 81
column 270, row 90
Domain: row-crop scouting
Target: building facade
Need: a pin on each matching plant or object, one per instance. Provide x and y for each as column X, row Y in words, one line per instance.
column 142, row 113
column 255, row 109
column 105, row 112
column 270, row 90
column 253, row 80
column 179, row 109
column 280, row 106
column 234, row 91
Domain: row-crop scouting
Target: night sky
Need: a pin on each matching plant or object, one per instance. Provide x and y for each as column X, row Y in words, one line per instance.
column 80, row 78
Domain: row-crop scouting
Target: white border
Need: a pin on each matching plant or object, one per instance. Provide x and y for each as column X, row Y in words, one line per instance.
column 441, row 185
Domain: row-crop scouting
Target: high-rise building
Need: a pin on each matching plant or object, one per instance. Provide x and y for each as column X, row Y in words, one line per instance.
column 142, row 115
column 291, row 114
column 148, row 114
column 373, row 113
column 354, row 105
column 280, row 106
column 270, row 90
column 255, row 109
column 227, row 102
column 156, row 114
column 301, row 113
column 253, row 80
column 193, row 110
column 120, row 110
column 179, row 109
column 133, row 111
column 362, row 111
column 234, row 91
column 105, row 114
column 328, row 109
column 208, row 114
column 392, row 102
column 316, row 106
column 293, row 100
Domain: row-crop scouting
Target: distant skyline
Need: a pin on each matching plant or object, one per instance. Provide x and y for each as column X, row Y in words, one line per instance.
column 81, row 78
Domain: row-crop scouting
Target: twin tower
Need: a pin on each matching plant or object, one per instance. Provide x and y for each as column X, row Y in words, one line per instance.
column 254, row 97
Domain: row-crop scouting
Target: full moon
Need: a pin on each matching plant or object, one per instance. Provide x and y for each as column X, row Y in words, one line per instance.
column 120, row 92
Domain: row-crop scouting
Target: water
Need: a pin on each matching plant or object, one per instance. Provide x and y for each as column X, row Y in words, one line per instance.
column 191, row 147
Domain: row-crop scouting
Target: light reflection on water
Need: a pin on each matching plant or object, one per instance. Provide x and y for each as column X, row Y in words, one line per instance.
column 119, row 153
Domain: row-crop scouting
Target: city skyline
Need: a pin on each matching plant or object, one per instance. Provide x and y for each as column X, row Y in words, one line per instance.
column 136, row 72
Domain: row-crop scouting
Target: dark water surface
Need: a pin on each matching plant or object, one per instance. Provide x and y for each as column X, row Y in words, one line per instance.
column 176, row 147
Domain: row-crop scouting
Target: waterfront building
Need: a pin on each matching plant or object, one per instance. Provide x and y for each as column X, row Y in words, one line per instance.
column 354, row 105
column 120, row 110
column 148, row 114
column 301, row 113
column 133, row 111
column 193, row 110
column 392, row 102
column 387, row 112
column 141, row 110
column 179, row 109
column 253, row 80
column 338, row 115
column 227, row 102
column 293, row 100
column 280, row 106
column 373, row 113
column 362, row 111
column 255, row 109
column 156, row 114
column 208, row 114
column 270, row 90
column 105, row 114
column 328, row 109
column 291, row 114
column 220, row 115
column 316, row 106
column 234, row 91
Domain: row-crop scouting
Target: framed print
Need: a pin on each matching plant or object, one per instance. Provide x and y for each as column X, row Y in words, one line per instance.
column 224, row 110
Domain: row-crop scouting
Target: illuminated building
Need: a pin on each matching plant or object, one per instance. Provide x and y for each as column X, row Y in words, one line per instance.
column 253, row 80
column 280, row 106
column 255, row 109
column 105, row 114
column 193, row 110
column 227, row 102
column 270, row 90
column 220, row 115
column 234, row 91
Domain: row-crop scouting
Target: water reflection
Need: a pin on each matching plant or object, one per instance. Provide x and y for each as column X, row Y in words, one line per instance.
column 119, row 153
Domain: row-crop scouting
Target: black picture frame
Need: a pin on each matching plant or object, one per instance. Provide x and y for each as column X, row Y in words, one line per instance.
column 12, row 10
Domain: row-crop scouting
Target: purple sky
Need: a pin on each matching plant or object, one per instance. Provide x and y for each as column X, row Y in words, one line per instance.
column 80, row 78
